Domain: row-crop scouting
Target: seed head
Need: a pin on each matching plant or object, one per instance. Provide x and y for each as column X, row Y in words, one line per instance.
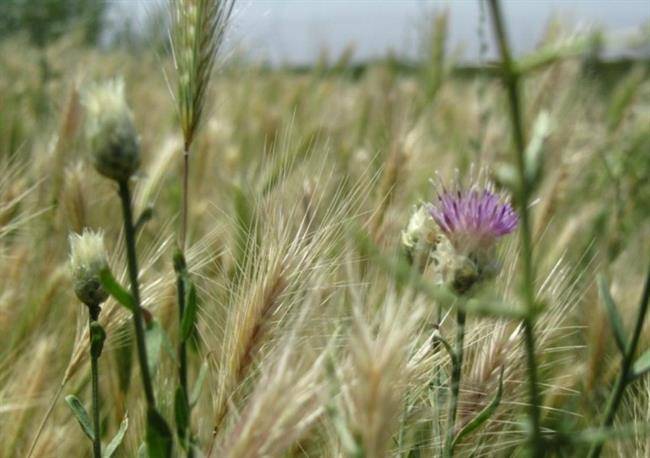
column 87, row 260
column 197, row 34
column 112, row 138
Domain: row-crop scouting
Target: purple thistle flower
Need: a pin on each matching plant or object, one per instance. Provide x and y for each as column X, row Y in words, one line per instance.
column 473, row 218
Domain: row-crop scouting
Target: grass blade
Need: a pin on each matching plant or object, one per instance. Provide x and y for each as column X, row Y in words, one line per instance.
column 81, row 415
column 189, row 316
column 113, row 288
column 482, row 416
column 117, row 439
column 612, row 312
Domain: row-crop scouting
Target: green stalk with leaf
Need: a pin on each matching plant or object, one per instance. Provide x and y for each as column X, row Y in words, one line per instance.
column 197, row 33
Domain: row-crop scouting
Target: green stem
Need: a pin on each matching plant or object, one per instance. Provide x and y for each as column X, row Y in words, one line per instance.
column 129, row 233
column 185, row 197
column 624, row 378
column 182, row 352
column 180, row 285
column 94, row 375
column 511, row 81
column 456, row 370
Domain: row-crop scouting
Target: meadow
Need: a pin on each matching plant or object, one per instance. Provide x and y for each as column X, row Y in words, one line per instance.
column 318, row 328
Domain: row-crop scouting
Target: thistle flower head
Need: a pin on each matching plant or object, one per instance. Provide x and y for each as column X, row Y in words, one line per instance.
column 87, row 260
column 112, row 137
column 474, row 218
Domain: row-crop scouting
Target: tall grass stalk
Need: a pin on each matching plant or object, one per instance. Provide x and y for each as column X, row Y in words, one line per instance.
column 511, row 76
column 198, row 29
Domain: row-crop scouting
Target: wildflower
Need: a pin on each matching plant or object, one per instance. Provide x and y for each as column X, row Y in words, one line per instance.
column 472, row 219
column 112, row 137
column 87, row 260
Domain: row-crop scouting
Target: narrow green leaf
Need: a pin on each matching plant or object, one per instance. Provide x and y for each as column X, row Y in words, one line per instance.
column 159, row 436
column 117, row 439
column 188, row 322
column 535, row 148
column 482, row 416
column 612, row 312
column 198, row 385
column 153, row 335
column 181, row 413
column 641, row 365
column 113, row 288
column 157, row 340
column 81, row 415
column 124, row 356
column 437, row 337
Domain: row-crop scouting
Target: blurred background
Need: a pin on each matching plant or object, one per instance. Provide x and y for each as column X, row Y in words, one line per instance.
column 299, row 32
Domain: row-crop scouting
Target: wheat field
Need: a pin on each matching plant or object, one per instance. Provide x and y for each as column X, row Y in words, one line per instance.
column 315, row 333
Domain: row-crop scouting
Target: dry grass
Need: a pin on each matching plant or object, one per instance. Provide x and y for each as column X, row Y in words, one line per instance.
column 316, row 347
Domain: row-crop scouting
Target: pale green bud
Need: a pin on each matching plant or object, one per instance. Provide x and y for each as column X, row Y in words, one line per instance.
column 421, row 228
column 420, row 236
column 87, row 260
column 112, row 138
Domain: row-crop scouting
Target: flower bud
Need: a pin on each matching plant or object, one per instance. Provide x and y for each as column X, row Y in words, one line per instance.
column 87, row 260
column 112, row 138
column 420, row 236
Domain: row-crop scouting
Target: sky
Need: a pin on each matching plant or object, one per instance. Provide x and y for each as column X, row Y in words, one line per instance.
column 296, row 31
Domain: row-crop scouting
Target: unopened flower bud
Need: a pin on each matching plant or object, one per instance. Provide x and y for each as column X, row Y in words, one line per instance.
column 420, row 235
column 87, row 260
column 112, row 137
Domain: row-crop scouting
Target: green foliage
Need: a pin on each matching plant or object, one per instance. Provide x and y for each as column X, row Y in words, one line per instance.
column 484, row 415
column 46, row 20
column 81, row 415
column 156, row 340
column 188, row 322
column 181, row 414
column 112, row 446
column 113, row 288
column 159, row 436
column 612, row 312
